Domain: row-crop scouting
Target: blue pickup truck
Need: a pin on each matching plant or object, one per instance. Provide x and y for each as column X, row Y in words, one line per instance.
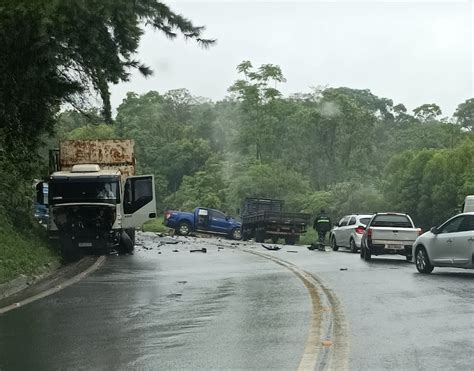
column 203, row 220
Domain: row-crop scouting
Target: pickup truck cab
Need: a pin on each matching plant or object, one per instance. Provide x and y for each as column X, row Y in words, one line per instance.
column 203, row 220
column 389, row 233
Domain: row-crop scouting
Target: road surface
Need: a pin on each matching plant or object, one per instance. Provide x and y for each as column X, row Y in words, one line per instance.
column 240, row 306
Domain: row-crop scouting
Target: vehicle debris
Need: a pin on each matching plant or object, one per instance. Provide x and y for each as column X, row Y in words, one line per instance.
column 175, row 250
column 274, row 248
column 203, row 250
column 343, row 269
column 291, row 251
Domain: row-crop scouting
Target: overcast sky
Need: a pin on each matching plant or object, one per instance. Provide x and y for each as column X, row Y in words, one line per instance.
column 411, row 52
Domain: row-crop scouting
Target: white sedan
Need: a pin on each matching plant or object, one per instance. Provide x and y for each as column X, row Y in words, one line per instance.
column 449, row 245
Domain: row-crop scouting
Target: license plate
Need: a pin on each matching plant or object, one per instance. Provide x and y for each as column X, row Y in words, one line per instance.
column 84, row 244
column 395, row 247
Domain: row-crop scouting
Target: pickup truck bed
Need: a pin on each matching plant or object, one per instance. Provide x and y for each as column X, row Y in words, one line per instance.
column 389, row 233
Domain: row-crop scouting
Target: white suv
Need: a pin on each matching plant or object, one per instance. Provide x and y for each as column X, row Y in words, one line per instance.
column 348, row 232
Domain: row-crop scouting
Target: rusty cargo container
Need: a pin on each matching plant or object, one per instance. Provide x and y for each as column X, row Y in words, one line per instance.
column 108, row 154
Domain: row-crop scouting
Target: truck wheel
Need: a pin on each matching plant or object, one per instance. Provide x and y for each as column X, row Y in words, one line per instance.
column 367, row 255
column 259, row 236
column 422, row 261
column 353, row 246
column 290, row 240
column 236, row 234
column 69, row 255
column 334, row 244
column 126, row 243
column 131, row 234
column 184, row 228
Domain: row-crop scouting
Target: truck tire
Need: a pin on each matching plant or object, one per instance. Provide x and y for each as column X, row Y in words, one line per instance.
column 290, row 240
column 260, row 236
column 236, row 234
column 367, row 255
column 184, row 228
column 131, row 234
column 69, row 251
column 126, row 243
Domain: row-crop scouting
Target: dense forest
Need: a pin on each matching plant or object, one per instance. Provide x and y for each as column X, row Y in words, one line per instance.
column 342, row 149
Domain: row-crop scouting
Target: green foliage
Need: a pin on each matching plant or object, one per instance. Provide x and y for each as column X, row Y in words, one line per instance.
column 203, row 188
column 465, row 114
column 23, row 253
column 155, row 225
column 431, row 184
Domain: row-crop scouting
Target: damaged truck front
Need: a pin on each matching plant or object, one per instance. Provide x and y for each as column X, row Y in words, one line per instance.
column 95, row 201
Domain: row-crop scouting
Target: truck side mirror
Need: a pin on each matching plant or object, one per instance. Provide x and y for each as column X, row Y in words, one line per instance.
column 41, row 198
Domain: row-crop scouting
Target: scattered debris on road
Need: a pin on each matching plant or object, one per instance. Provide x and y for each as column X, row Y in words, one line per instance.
column 273, row 248
column 175, row 250
column 291, row 251
column 343, row 269
column 203, row 250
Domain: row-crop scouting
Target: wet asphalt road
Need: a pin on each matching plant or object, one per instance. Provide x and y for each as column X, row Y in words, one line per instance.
column 228, row 309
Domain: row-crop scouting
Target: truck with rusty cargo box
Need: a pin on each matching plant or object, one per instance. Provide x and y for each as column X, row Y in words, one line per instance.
column 95, row 200
column 264, row 218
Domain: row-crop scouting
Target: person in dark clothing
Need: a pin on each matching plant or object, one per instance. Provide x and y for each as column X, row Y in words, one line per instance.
column 322, row 225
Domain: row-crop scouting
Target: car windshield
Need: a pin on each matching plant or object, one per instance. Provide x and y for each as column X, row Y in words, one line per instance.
column 397, row 221
column 61, row 192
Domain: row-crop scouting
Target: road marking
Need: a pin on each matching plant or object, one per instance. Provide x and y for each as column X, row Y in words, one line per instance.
column 327, row 344
column 55, row 289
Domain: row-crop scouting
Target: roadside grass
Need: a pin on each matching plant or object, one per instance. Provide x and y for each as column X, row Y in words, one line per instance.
column 24, row 254
column 308, row 238
column 155, row 225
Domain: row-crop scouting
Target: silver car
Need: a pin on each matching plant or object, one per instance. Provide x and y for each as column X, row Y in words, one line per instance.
column 449, row 245
column 348, row 232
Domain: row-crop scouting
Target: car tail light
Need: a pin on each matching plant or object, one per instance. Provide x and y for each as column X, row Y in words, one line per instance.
column 369, row 233
column 420, row 231
column 167, row 214
column 360, row 230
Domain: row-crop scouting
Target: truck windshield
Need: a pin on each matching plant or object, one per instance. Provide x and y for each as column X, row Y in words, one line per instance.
column 395, row 221
column 84, row 191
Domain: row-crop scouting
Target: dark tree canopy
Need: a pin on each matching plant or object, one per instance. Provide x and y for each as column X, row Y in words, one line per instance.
column 58, row 51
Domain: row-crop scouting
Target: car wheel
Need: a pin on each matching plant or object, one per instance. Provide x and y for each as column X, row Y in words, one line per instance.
column 334, row 244
column 184, row 228
column 353, row 246
column 236, row 234
column 422, row 262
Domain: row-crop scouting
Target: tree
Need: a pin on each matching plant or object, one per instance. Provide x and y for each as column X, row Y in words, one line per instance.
column 465, row 114
column 256, row 93
column 427, row 112
column 58, row 51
